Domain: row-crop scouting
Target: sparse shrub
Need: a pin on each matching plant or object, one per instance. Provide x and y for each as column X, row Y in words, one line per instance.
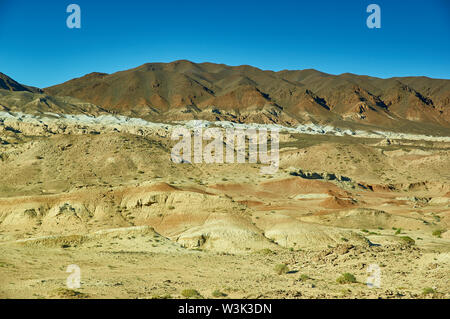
column 218, row 294
column 346, row 278
column 408, row 240
column 398, row 231
column 428, row 290
column 171, row 207
column 304, row 277
column 266, row 251
column 191, row 293
column 437, row 233
column 281, row 269
column 344, row 239
column 364, row 230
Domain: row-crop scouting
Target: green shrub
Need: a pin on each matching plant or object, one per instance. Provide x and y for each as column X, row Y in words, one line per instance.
column 408, row 240
column 218, row 294
column 191, row 293
column 346, row 278
column 437, row 233
column 281, row 269
column 428, row 290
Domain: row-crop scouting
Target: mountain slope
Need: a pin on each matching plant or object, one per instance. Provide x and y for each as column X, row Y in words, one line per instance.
column 6, row 83
column 185, row 90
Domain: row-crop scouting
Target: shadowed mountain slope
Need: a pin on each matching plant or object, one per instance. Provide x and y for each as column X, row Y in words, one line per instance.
column 6, row 83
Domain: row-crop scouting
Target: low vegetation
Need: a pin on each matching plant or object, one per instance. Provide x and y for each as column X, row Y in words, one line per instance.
column 304, row 277
column 438, row 233
column 428, row 291
column 191, row 293
column 266, row 251
column 408, row 240
column 346, row 278
column 281, row 269
column 218, row 294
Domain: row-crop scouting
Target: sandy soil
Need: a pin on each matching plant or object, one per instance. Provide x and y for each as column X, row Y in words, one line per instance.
column 141, row 226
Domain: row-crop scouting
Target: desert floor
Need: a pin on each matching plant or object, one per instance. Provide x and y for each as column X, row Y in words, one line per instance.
column 140, row 226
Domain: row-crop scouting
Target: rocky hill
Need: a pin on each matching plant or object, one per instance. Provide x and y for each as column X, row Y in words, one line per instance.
column 185, row 90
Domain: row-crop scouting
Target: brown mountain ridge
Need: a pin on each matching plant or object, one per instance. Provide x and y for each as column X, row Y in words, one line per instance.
column 6, row 83
column 184, row 90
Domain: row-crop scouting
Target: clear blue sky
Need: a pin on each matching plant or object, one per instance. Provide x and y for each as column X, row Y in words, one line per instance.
column 36, row 47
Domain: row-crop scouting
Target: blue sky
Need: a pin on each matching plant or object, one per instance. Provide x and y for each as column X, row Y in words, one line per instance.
column 37, row 48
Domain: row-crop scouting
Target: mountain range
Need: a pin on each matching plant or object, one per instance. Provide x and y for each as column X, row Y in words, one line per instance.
column 184, row 90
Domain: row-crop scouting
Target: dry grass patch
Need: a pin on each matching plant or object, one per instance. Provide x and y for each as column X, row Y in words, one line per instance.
column 281, row 269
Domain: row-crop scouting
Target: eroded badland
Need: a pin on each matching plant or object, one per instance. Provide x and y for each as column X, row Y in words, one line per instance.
column 139, row 225
column 105, row 196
